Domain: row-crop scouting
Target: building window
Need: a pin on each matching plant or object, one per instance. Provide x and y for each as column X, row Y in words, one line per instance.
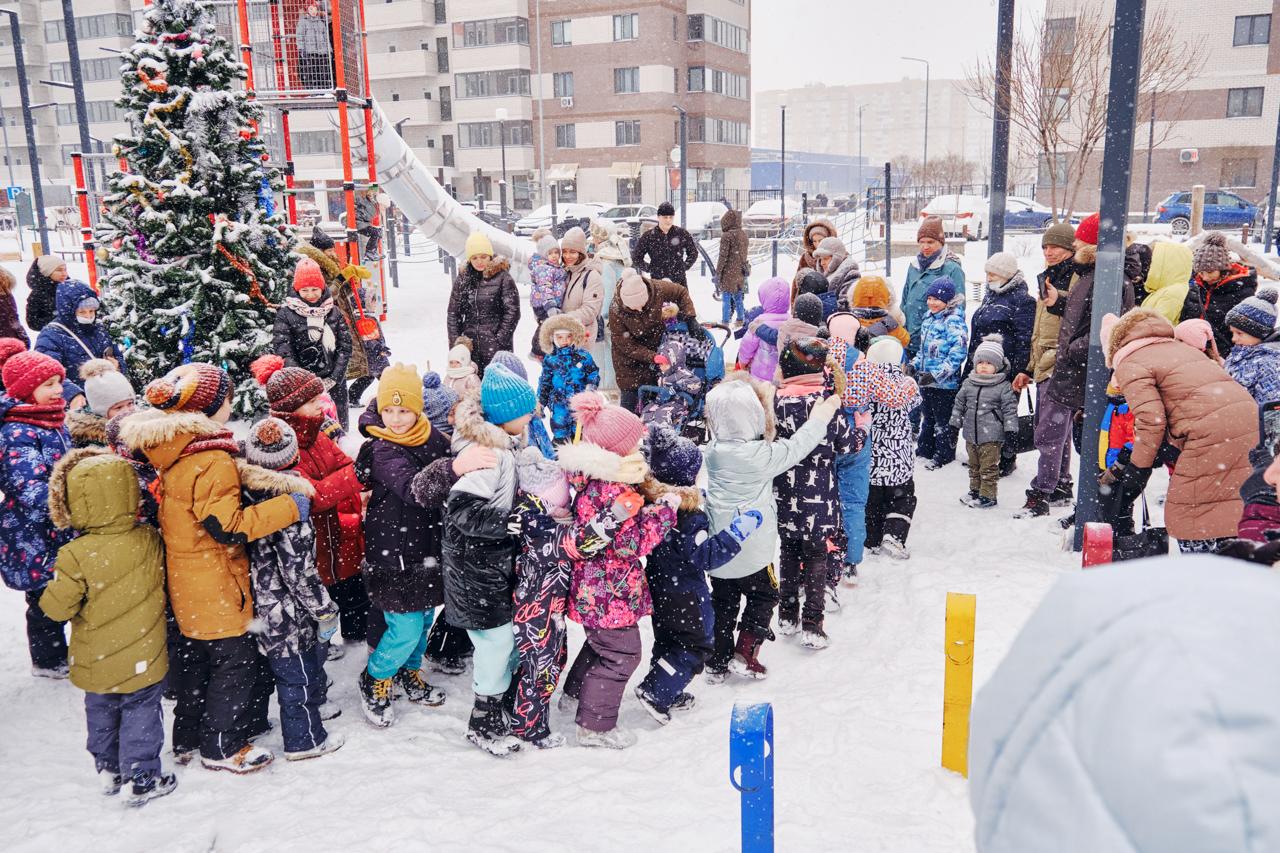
column 1252, row 29
column 716, row 31
column 309, row 142
column 626, row 132
column 442, row 13
column 485, row 134
column 561, row 33
column 491, row 31
column 566, row 136
column 442, row 54
column 626, row 27
column 94, row 70
column 1241, row 173
column 718, row 131
column 626, row 80
column 446, row 149
column 629, row 191
column 391, row 48
column 562, row 84
column 1058, row 176
column 1059, row 35
column 1244, row 102
column 109, row 25
column 566, row 191
column 702, row 79
column 97, row 110
column 492, row 84
column 446, row 104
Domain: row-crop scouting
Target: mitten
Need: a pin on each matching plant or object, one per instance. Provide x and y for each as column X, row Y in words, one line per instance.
column 626, row 505
column 744, row 524
column 304, row 505
column 327, row 628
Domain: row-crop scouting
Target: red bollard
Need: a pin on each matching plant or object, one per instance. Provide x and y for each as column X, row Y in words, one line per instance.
column 1097, row 544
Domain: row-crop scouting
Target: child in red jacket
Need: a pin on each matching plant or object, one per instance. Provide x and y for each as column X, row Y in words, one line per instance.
column 296, row 397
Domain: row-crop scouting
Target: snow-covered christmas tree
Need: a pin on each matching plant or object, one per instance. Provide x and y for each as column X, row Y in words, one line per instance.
column 194, row 252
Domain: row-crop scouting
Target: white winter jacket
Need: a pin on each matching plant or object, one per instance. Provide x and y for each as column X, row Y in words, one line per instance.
column 1138, row 710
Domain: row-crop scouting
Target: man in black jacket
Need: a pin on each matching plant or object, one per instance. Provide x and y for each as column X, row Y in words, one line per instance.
column 667, row 251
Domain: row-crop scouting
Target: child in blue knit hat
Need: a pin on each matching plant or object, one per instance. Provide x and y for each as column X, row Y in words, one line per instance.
column 479, row 551
column 939, row 359
column 438, row 401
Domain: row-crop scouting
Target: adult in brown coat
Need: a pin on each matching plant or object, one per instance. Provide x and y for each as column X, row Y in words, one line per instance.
column 637, row 326
column 814, row 233
column 1179, row 396
column 732, row 266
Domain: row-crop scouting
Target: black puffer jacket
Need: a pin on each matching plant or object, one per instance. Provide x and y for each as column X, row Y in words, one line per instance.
column 42, row 302
column 478, row 550
column 666, row 256
column 486, row 308
column 1212, row 301
column 1071, row 371
column 292, row 341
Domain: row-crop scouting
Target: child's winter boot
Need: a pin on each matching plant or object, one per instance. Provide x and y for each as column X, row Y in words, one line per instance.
column 1037, row 505
column 375, row 698
column 416, row 689
column 1061, row 496
column 248, row 760
column 489, row 729
column 110, row 782
column 788, row 618
column 150, row 786
column 850, row 574
column 684, row 702
column 332, row 743
column 746, row 660
column 894, row 548
column 813, row 636
column 651, row 706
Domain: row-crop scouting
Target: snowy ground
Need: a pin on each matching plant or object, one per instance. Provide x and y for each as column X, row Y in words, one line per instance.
column 857, row 726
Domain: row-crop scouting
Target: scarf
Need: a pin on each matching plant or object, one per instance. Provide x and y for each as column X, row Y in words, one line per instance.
column 317, row 329
column 221, row 440
column 802, row 386
column 926, row 261
column 47, row 416
column 415, row 437
column 307, row 429
column 462, row 371
column 985, row 381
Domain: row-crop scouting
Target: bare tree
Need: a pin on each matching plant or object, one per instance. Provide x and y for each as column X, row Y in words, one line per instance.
column 950, row 170
column 1059, row 80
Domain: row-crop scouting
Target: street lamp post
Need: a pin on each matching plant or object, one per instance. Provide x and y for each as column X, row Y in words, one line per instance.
column 684, row 162
column 782, row 183
column 924, row 167
column 501, row 114
column 1151, row 140
column 77, row 76
column 28, row 124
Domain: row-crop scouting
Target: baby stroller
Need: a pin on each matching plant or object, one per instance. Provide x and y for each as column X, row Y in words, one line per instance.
column 694, row 366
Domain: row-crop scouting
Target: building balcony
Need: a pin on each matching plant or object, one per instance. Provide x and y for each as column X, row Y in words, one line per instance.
column 518, row 108
column 404, row 63
column 418, row 111
column 489, row 57
column 520, row 158
column 399, row 15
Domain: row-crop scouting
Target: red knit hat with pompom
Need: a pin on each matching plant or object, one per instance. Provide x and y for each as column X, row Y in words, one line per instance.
column 307, row 274
column 611, row 427
column 194, row 387
column 288, row 388
column 23, row 372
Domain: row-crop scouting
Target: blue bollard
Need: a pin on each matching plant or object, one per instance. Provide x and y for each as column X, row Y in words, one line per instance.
column 751, row 772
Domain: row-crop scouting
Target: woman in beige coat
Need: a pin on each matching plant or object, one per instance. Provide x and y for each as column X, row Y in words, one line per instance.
column 1179, row 396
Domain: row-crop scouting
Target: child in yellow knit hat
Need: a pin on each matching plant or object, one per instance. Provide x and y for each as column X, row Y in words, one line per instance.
column 402, row 545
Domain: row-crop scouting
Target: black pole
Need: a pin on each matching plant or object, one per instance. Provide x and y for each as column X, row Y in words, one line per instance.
column 394, row 263
column 782, row 186
column 1275, row 176
column 502, row 188
column 1108, row 282
column 28, row 125
column 888, row 220
column 684, row 168
column 1000, row 127
column 77, row 82
column 1151, row 140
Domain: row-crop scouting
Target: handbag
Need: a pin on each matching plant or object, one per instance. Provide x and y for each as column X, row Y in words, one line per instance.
column 1026, row 427
column 1147, row 542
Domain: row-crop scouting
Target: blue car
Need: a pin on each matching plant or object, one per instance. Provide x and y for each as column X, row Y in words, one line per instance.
column 1221, row 210
column 1024, row 214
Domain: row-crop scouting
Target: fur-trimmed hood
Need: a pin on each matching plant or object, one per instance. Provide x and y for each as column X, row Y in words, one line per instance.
column 86, row 428
column 596, row 463
column 59, row 511
column 255, row 478
column 763, row 392
column 561, row 322
column 690, row 496
column 809, row 244
column 470, row 427
column 498, row 264
column 1136, row 325
column 1086, row 255
column 7, row 281
column 329, row 265
column 162, row 436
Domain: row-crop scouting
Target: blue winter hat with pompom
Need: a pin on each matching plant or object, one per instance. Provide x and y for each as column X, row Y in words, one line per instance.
column 673, row 459
column 438, row 400
column 1256, row 315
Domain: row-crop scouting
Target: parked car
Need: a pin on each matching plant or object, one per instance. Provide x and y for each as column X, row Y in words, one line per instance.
column 626, row 216
column 1025, row 214
column 704, row 218
column 496, row 219
column 765, row 218
column 541, row 216
column 1222, row 209
column 962, row 215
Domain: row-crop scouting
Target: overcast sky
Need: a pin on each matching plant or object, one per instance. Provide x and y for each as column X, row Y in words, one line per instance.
column 860, row 41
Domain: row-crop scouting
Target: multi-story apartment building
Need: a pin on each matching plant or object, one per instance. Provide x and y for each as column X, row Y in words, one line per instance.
column 1220, row 130
column 879, row 121
column 612, row 77
column 458, row 78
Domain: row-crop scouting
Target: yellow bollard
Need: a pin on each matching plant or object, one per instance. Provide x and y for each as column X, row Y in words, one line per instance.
column 957, row 688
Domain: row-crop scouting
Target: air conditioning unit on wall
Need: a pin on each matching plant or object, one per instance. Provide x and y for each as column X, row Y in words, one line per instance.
column 566, row 102
column 1189, row 155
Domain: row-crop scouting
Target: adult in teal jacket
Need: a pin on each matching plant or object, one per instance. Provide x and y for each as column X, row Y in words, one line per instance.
column 1138, row 710
column 933, row 262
